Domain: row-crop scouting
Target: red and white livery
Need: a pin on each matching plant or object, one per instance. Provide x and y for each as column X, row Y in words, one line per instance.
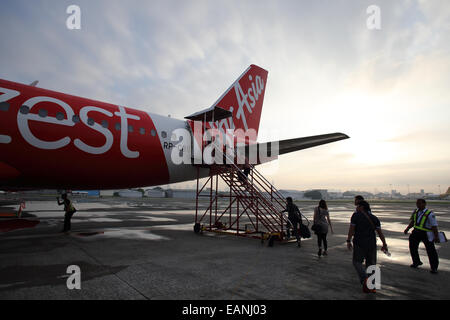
column 52, row 140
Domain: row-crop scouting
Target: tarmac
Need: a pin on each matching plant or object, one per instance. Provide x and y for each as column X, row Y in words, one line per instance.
column 136, row 249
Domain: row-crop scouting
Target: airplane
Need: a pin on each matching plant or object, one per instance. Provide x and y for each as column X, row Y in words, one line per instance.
column 53, row 140
column 446, row 194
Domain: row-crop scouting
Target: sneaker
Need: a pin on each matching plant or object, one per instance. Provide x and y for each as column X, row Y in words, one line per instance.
column 415, row 266
column 320, row 252
column 325, row 253
column 433, row 271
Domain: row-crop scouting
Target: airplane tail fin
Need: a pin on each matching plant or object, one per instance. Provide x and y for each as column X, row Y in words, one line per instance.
column 244, row 99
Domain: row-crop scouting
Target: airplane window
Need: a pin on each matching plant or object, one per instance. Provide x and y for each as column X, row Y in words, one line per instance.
column 105, row 124
column 91, row 121
column 142, row 131
column 24, row 109
column 117, row 126
column 130, row 129
column 60, row 116
column 76, row 119
column 4, row 106
column 153, row 133
column 43, row 113
column 164, row 134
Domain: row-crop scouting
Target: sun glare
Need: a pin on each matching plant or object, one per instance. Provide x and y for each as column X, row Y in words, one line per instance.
column 370, row 126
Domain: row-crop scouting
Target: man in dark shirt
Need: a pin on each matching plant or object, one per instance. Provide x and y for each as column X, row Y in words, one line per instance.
column 294, row 217
column 362, row 229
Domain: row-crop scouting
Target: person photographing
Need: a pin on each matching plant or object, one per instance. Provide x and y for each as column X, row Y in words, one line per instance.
column 69, row 211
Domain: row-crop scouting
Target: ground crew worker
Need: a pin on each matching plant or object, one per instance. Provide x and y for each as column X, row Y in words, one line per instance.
column 69, row 209
column 294, row 217
column 423, row 221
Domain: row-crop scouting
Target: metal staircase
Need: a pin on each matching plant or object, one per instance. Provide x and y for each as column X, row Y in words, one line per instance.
column 251, row 207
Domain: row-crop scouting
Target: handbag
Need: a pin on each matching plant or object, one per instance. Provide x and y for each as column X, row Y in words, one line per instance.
column 317, row 228
column 304, row 231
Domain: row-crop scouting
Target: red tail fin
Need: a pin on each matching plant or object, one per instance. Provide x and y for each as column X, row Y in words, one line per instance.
column 245, row 98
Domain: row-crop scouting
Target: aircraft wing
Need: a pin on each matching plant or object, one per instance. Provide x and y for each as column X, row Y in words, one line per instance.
column 291, row 145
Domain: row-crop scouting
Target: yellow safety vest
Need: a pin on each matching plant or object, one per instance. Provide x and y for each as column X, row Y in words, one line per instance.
column 420, row 225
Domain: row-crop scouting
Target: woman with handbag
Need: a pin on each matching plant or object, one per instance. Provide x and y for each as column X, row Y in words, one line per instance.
column 320, row 226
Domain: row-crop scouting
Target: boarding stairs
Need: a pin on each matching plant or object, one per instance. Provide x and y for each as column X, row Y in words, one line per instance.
column 253, row 208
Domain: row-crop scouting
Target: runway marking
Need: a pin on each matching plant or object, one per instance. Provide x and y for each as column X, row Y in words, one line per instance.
column 5, row 139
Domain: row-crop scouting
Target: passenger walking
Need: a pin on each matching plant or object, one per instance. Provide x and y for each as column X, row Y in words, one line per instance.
column 358, row 199
column 295, row 218
column 69, row 211
column 243, row 175
column 425, row 230
column 321, row 222
column 362, row 229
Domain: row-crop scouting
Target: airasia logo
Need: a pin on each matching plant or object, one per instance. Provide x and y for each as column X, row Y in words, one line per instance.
column 253, row 94
column 246, row 102
column 23, row 119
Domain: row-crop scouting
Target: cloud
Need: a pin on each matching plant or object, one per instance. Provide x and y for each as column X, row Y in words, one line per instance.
column 327, row 71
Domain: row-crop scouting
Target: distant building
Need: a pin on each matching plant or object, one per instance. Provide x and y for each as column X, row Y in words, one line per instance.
column 315, row 194
column 87, row 193
column 169, row 193
column 184, row 193
column 414, row 195
column 40, row 192
column 294, row 194
column 382, row 195
column 129, row 194
column 335, row 195
column 107, row 193
column 352, row 194
column 155, row 193
column 395, row 194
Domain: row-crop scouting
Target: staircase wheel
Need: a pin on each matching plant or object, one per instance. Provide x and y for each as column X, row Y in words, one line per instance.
column 197, row 228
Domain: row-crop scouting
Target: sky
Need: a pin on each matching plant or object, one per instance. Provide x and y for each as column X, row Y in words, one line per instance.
column 387, row 88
